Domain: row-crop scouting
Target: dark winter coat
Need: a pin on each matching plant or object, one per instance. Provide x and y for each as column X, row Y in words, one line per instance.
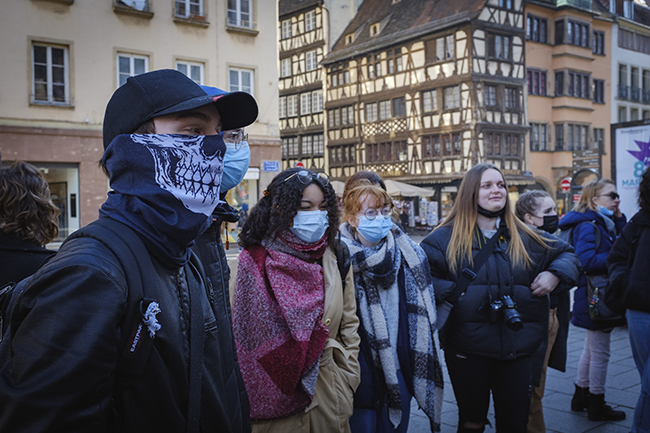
column 64, row 380
column 593, row 261
column 469, row 328
column 19, row 259
column 632, row 281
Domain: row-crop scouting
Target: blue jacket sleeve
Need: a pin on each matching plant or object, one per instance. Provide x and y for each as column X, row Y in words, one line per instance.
column 585, row 245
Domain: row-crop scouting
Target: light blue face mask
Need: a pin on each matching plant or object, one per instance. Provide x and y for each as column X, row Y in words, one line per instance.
column 310, row 226
column 376, row 229
column 603, row 210
column 235, row 165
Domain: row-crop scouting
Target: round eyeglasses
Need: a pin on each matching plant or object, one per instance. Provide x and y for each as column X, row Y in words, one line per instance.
column 371, row 213
column 306, row 176
column 235, row 136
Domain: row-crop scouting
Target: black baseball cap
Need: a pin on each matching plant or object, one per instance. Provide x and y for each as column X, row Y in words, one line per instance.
column 167, row 91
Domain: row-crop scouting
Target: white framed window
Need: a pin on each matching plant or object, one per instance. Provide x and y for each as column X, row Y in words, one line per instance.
column 129, row 65
column 310, row 21
column 429, row 100
column 305, row 103
column 452, row 97
column 241, row 80
column 194, row 70
column 310, row 61
column 240, row 13
column 371, row 112
column 189, row 8
column 283, row 107
column 317, row 101
column 286, row 29
column 384, row 110
column 50, row 74
column 292, row 106
column 285, row 68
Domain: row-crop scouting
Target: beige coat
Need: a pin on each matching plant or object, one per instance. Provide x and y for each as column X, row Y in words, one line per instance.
column 339, row 372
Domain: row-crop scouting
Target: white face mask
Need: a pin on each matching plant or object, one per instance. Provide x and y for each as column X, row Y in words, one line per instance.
column 310, row 226
column 235, row 165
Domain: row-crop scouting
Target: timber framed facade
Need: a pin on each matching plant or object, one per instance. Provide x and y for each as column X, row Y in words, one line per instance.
column 422, row 99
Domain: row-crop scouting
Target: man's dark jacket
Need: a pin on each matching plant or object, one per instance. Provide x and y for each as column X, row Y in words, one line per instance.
column 58, row 368
column 633, row 281
column 19, row 259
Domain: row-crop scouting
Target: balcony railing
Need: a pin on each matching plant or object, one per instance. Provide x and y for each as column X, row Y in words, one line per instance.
column 645, row 96
column 623, row 92
column 635, row 94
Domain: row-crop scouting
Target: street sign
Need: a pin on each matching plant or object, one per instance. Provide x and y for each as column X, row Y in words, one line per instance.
column 271, row 165
column 576, row 198
column 565, row 185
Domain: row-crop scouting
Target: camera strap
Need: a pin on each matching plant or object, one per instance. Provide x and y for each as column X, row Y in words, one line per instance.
column 469, row 274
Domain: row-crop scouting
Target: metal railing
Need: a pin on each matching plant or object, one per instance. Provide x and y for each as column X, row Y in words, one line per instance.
column 623, row 91
column 635, row 94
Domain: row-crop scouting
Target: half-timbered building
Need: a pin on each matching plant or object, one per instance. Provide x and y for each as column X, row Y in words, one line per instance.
column 420, row 91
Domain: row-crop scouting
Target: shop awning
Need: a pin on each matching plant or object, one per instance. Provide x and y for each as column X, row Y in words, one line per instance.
column 396, row 188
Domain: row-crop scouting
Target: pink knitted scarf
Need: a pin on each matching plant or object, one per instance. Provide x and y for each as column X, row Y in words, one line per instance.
column 277, row 312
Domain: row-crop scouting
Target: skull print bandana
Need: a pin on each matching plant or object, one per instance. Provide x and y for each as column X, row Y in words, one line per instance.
column 165, row 187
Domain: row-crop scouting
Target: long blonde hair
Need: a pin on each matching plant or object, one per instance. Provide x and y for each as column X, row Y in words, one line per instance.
column 589, row 191
column 463, row 218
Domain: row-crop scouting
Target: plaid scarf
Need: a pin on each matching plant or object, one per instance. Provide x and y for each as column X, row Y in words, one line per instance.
column 277, row 312
column 376, row 269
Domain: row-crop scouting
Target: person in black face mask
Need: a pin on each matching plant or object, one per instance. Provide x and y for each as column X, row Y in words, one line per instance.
column 538, row 210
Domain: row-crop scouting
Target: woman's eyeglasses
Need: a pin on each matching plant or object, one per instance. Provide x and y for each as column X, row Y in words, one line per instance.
column 305, row 177
column 235, row 136
column 371, row 213
column 612, row 195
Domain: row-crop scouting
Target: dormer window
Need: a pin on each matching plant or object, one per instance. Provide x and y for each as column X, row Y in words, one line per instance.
column 349, row 38
column 374, row 29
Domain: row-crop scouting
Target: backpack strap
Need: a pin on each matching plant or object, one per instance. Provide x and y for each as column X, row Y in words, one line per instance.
column 343, row 261
column 128, row 248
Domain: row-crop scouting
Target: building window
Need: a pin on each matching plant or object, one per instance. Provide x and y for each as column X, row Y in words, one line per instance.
column 292, row 105
column 499, row 47
column 506, row 4
column 129, row 65
column 318, row 145
column 537, row 137
column 283, row 107
column 490, row 95
column 645, row 86
column 634, row 114
column 391, row 66
column 371, row 112
column 452, row 97
column 536, row 82
column 645, row 115
column 512, row 98
column 191, row 69
column 398, row 63
column 445, row 48
column 50, row 79
column 635, row 90
column 286, row 29
column 377, row 69
column 559, row 137
column 349, row 38
column 310, row 21
column 316, row 101
column 622, row 114
column 576, row 33
column 399, row 107
column 241, row 80
column 310, row 61
column 577, row 137
column 239, row 13
column 347, row 115
column 430, row 100
column 559, row 83
column 599, row 138
column 633, row 41
column 628, row 9
column 371, row 71
column 431, row 145
column 599, row 43
column 623, row 91
column 189, row 8
column 458, row 144
column 305, row 103
column 334, row 117
column 384, row 110
column 285, row 68
column 578, row 85
column 599, row 91
column 536, row 29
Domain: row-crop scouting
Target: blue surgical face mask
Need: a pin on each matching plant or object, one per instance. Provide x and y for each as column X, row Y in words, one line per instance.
column 235, row 165
column 310, row 225
column 603, row 210
column 376, row 229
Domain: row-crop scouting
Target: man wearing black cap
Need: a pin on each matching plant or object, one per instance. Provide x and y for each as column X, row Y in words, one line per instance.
column 81, row 354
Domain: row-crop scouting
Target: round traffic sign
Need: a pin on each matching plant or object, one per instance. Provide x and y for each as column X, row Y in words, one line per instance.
column 565, row 185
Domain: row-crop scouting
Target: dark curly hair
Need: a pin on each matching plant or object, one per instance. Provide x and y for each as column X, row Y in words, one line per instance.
column 26, row 210
column 644, row 190
column 274, row 213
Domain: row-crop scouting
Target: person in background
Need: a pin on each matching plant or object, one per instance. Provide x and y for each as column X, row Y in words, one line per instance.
column 399, row 353
column 294, row 313
column 28, row 221
column 501, row 318
column 538, row 210
column 598, row 204
column 629, row 271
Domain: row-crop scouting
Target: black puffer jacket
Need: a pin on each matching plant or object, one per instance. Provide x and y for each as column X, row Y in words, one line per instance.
column 633, row 282
column 57, row 373
column 468, row 329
